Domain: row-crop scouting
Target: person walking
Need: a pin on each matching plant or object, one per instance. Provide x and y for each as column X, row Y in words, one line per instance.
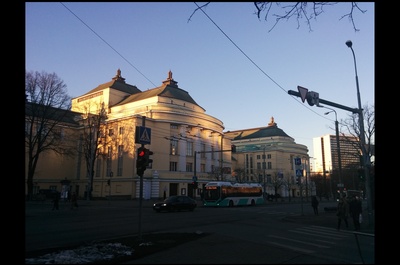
column 314, row 204
column 56, row 199
column 342, row 212
column 355, row 208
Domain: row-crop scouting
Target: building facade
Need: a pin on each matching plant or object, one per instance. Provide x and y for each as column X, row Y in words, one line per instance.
column 188, row 145
column 266, row 155
column 178, row 127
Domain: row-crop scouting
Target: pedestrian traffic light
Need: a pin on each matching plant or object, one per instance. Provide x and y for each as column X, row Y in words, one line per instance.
column 141, row 161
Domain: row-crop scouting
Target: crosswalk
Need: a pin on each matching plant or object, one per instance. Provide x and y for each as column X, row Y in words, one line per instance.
column 309, row 239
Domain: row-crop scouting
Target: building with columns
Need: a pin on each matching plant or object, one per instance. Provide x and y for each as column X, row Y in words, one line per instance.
column 266, row 155
column 186, row 142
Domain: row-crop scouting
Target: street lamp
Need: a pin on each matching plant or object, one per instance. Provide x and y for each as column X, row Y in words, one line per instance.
column 365, row 155
column 338, row 148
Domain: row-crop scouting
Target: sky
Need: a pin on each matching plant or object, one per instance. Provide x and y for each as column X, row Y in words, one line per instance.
column 234, row 65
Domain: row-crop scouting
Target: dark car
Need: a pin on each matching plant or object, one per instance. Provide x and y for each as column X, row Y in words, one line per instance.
column 175, row 203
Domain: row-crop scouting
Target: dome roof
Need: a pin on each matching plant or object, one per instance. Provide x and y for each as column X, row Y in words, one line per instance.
column 261, row 132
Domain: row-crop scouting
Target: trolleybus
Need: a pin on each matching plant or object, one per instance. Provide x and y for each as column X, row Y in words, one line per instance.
column 220, row 193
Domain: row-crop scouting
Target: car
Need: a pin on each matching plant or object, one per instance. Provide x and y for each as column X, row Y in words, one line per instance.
column 175, row 203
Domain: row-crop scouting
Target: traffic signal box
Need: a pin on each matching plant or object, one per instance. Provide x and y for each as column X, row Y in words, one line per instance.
column 143, row 160
column 147, row 154
column 140, row 161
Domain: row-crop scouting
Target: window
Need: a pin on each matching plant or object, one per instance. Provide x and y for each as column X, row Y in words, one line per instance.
column 173, row 166
column 202, row 168
column 189, row 167
column 173, row 148
column 269, row 156
column 173, row 126
column 189, row 149
column 120, row 160
column 108, row 170
column 110, row 132
column 258, row 165
column 98, row 167
column 212, row 152
column 121, row 130
column 258, row 157
column 269, row 165
column 202, row 149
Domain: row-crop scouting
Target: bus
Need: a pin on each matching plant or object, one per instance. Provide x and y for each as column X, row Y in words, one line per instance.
column 221, row 193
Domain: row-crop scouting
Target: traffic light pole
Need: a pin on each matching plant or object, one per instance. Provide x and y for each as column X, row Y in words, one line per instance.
column 141, row 192
column 333, row 104
column 365, row 156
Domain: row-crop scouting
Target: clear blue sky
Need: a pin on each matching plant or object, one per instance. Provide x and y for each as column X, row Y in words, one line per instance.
column 85, row 44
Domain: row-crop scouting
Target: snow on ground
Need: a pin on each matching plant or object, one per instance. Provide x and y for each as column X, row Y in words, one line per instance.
column 84, row 254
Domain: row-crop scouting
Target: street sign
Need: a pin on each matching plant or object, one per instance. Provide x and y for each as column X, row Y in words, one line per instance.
column 299, row 172
column 297, row 161
column 194, row 178
column 303, row 92
column 143, row 135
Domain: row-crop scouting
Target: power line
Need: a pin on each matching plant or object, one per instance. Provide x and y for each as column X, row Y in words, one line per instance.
column 259, row 68
column 126, row 60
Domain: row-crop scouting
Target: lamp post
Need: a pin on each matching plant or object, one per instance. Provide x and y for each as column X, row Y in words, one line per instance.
column 264, row 166
column 338, row 148
column 365, row 155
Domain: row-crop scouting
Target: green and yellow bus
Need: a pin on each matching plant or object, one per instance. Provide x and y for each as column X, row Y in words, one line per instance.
column 222, row 194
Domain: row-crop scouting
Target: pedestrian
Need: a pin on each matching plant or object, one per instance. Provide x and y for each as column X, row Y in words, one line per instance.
column 56, row 198
column 314, row 204
column 355, row 208
column 342, row 211
column 74, row 201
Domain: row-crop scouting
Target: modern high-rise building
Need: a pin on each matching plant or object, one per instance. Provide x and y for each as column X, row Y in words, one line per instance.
column 326, row 155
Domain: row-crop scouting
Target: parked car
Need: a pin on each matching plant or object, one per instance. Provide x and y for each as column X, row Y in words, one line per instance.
column 175, row 203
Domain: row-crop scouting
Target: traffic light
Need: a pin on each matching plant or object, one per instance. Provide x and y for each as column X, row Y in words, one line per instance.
column 147, row 154
column 298, row 180
column 195, row 184
column 108, row 182
column 141, row 161
column 313, row 98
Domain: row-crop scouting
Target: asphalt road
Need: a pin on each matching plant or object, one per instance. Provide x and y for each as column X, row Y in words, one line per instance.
column 270, row 234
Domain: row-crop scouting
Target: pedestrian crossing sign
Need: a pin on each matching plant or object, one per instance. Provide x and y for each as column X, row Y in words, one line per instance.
column 143, row 135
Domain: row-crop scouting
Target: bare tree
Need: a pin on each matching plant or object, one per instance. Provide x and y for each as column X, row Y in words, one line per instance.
column 93, row 138
column 352, row 127
column 288, row 182
column 300, row 11
column 47, row 106
column 277, row 182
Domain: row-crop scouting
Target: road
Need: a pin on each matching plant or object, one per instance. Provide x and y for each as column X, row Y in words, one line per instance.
column 281, row 231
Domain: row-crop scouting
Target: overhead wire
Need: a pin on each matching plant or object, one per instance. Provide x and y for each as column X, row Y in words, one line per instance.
column 258, row 67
